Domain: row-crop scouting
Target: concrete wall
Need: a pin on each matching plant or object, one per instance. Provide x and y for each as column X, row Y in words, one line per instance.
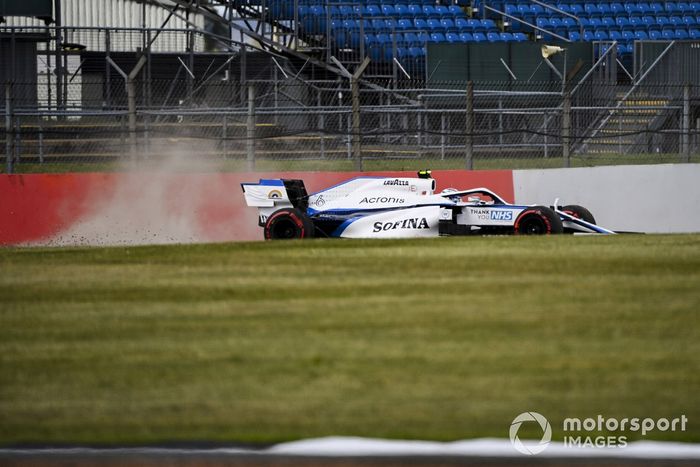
column 648, row 198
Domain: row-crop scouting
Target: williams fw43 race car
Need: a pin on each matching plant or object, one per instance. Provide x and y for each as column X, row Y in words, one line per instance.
column 372, row 207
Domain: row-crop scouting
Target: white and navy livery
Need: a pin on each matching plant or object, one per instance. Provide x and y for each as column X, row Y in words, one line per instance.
column 379, row 207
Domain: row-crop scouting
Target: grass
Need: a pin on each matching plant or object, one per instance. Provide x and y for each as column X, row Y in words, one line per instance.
column 369, row 164
column 435, row 339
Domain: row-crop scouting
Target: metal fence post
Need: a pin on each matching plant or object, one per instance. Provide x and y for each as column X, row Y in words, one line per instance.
column 469, row 128
column 9, row 137
column 321, row 125
column 566, row 129
column 356, row 141
column 685, row 146
column 131, row 99
column 250, row 129
column 224, row 137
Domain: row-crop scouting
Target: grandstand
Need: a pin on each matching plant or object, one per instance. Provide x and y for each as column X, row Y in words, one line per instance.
column 327, row 82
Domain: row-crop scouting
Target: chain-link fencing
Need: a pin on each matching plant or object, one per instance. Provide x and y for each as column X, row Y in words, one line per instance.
column 294, row 125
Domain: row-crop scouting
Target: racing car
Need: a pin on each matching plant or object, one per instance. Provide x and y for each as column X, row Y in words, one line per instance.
column 397, row 207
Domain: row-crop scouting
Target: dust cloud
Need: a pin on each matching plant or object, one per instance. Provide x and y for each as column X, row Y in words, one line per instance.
column 163, row 201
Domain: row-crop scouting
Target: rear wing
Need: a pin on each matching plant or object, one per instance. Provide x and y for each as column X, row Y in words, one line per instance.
column 276, row 193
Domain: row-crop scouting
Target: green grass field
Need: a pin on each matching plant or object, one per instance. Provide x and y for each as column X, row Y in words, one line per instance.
column 439, row 339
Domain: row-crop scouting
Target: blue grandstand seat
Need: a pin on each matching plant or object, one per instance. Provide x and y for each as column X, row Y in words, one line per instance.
column 457, row 11
column 615, row 35
column 622, row 22
column 689, row 20
column 415, row 10
column 683, row 7
column 435, row 25
column 576, row 9
column 519, row 37
column 391, row 24
column 657, row 8
column 493, row 37
column 411, row 39
column 588, row 35
column 670, row 8
column 636, row 21
column 400, row 40
column 373, row 10
column 346, row 11
column 452, row 37
column 618, row 9
column 633, row 8
column 476, row 25
column 489, row 24
column 462, row 24
column 388, row 10
column 479, row 37
column 676, row 21
column 646, row 8
column 442, row 11
column 601, row 35
column 681, row 34
column 507, row 37
column 592, row 10
column 608, row 22
column 655, row 35
column 538, row 10
column 585, row 22
column 420, row 23
column 448, row 24
column 417, row 52
column 627, row 35
column 604, row 9
column 370, row 40
column 402, row 11
column 649, row 21
column 379, row 25
column 662, row 21
column 511, row 9
column 641, row 35
column 569, row 23
column 437, row 37
column 564, row 7
column 596, row 23
column 624, row 49
column 668, row 34
column 429, row 11
column 694, row 33
column 404, row 24
column 543, row 23
column 466, row 37
column 555, row 22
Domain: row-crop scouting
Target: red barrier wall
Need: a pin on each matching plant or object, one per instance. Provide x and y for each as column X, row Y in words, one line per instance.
column 134, row 208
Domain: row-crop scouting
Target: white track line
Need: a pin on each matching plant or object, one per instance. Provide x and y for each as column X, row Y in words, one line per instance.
column 363, row 447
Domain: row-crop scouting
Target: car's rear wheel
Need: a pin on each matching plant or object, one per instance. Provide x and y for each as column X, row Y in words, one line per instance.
column 538, row 220
column 288, row 223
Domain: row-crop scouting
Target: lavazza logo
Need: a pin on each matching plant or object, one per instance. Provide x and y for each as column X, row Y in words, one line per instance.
column 586, row 433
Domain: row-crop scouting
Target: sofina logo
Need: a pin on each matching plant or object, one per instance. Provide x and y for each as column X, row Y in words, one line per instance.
column 530, row 447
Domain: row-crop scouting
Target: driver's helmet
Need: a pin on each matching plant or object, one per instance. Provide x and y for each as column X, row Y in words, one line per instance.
column 455, row 198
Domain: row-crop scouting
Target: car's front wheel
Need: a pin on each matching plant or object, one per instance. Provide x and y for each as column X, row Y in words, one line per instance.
column 288, row 223
column 538, row 220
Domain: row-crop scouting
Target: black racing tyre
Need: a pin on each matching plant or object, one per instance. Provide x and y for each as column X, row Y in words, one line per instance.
column 288, row 223
column 579, row 212
column 538, row 220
